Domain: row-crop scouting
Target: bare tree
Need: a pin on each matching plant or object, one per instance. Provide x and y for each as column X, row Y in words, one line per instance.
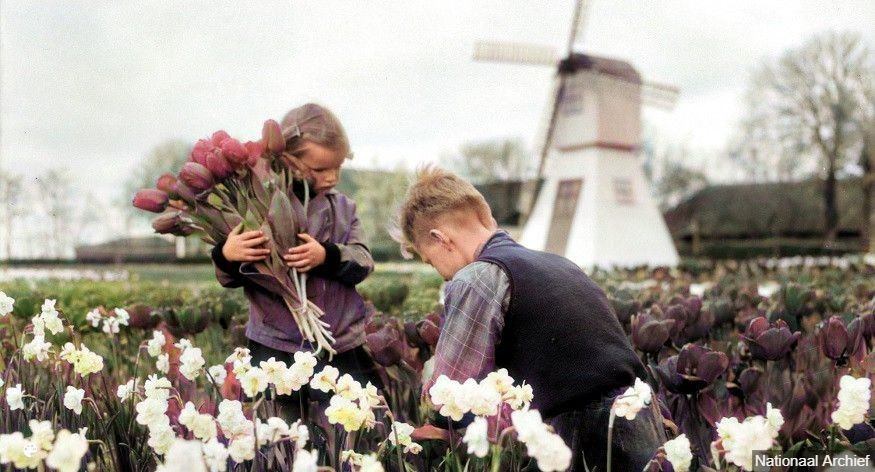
column 10, row 192
column 676, row 181
column 486, row 161
column 55, row 193
column 166, row 157
column 804, row 113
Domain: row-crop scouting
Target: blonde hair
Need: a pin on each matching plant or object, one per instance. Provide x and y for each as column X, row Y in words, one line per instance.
column 435, row 194
column 314, row 123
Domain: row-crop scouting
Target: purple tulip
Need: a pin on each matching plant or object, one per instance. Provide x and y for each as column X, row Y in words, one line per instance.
column 219, row 165
column 172, row 223
column 429, row 331
column 236, row 153
column 649, row 333
column 218, row 137
column 272, row 137
column 200, row 151
column 151, row 199
column 185, row 193
column 691, row 322
column 693, row 369
column 386, row 345
column 835, row 340
column 166, row 183
column 254, row 151
column 770, row 342
column 197, row 177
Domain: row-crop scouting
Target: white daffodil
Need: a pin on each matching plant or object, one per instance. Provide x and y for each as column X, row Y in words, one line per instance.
column 122, row 316
column 242, row 449
column 218, row 373
column 7, row 304
column 73, row 399
column 162, row 363
column 326, row 379
column 215, row 455
column 37, row 349
column 346, row 413
column 305, row 461
column 191, row 362
column 41, row 434
column 476, row 437
column 15, row 397
column 67, row 454
column 110, row 326
column 156, row 344
column 93, row 317
column 232, row 420
column 123, row 392
column 273, row 369
column 633, row 400
column 253, row 382
column 151, row 411
column 854, row 395
column 348, row 388
column 157, row 388
column 678, row 452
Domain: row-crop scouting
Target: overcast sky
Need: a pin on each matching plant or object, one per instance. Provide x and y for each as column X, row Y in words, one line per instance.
column 92, row 86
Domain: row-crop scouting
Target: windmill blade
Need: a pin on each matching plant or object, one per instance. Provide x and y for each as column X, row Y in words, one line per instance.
column 578, row 24
column 516, row 53
column 659, row 95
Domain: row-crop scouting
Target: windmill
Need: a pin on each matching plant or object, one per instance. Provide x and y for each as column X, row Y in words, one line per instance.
column 590, row 201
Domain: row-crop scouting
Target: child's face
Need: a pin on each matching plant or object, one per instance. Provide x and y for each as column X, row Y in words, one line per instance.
column 441, row 252
column 323, row 163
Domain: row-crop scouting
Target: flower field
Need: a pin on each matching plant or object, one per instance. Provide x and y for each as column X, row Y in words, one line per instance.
column 126, row 375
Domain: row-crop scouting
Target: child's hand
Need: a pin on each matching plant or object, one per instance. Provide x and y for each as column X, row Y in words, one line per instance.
column 245, row 247
column 307, row 255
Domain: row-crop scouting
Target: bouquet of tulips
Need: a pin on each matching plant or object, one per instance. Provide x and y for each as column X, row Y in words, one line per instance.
column 228, row 186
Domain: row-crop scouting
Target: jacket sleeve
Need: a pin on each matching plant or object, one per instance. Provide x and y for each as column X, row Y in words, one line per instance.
column 227, row 272
column 350, row 263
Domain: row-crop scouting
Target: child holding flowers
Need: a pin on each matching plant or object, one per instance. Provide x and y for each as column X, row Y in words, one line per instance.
column 535, row 314
column 332, row 253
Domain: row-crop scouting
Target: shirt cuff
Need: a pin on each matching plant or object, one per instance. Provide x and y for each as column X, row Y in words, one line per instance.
column 331, row 264
column 229, row 267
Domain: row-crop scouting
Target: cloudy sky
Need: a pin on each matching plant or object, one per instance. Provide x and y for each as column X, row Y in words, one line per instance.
column 92, row 86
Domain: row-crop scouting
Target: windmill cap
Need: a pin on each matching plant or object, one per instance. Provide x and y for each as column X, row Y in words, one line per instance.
column 604, row 65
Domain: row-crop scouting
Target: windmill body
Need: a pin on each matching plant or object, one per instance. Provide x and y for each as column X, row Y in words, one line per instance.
column 594, row 205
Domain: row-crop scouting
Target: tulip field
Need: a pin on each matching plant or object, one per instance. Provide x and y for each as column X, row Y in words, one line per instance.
column 141, row 375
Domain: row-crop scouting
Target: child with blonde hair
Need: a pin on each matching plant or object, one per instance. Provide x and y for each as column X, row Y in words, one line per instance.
column 333, row 253
column 534, row 313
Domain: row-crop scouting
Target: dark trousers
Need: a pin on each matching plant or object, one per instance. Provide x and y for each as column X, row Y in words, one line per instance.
column 585, row 431
column 355, row 362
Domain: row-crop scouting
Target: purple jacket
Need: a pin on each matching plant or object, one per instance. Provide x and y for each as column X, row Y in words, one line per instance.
column 331, row 220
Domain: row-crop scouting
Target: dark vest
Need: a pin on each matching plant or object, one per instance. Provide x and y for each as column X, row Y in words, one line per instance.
column 560, row 334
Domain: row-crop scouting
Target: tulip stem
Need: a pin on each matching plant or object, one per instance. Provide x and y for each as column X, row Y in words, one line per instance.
column 610, row 437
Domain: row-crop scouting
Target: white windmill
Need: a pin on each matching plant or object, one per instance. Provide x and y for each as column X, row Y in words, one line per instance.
column 591, row 201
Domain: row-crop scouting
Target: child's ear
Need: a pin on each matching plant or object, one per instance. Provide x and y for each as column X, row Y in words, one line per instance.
column 439, row 237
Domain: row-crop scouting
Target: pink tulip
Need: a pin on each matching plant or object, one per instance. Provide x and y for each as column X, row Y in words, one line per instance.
column 166, row 183
column 234, row 152
column 219, row 165
column 197, row 177
column 151, row 199
column 254, row 150
column 272, row 136
column 218, row 137
column 200, row 151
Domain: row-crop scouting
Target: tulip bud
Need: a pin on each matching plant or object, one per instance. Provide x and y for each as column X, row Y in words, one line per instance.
column 200, row 151
column 835, row 341
column 254, row 150
column 184, row 192
column 234, row 152
column 151, row 199
column 172, row 223
column 219, row 165
column 769, row 342
column 166, row 183
column 386, row 345
column 272, row 137
column 649, row 334
column 218, row 137
column 197, row 177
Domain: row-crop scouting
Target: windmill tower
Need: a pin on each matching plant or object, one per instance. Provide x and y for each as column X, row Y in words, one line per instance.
column 591, row 201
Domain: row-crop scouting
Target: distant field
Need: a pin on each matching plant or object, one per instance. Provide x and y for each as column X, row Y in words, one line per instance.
column 167, row 273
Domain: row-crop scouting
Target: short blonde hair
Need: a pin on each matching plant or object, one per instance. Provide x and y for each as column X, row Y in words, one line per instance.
column 434, row 194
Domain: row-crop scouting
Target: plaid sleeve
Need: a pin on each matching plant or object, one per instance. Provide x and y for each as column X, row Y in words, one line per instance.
column 473, row 320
